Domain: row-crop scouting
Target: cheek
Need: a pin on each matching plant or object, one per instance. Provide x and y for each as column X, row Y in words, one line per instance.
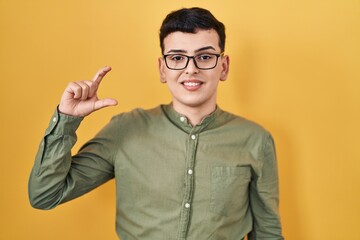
column 214, row 76
column 172, row 75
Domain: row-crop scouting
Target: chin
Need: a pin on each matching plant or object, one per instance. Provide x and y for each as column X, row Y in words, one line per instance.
column 193, row 103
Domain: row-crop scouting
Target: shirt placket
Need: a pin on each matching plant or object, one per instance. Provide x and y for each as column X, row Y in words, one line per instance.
column 185, row 214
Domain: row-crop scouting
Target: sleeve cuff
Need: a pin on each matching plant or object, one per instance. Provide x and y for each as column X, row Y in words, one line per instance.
column 63, row 124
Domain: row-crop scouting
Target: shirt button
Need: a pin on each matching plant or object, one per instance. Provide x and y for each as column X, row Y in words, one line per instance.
column 193, row 137
column 190, row 171
column 187, row 205
column 54, row 119
column 182, row 119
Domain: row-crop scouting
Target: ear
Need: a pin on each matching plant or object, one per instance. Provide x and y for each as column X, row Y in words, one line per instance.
column 162, row 67
column 225, row 62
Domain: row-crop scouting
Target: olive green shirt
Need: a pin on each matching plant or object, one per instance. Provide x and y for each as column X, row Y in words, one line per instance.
column 216, row 180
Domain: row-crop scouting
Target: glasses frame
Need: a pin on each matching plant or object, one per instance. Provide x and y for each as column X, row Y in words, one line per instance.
column 217, row 55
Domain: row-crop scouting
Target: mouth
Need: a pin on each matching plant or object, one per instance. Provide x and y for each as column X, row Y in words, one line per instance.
column 192, row 85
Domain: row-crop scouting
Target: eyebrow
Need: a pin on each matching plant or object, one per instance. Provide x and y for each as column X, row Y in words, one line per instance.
column 205, row 48
column 196, row 51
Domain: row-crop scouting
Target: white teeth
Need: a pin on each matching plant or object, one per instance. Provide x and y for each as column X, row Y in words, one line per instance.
column 191, row 84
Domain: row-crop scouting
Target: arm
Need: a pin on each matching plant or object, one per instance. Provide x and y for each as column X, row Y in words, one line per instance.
column 57, row 176
column 264, row 196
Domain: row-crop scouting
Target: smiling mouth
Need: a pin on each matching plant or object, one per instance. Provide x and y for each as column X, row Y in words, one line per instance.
column 191, row 84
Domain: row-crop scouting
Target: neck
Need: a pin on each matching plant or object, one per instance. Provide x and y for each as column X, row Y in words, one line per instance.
column 194, row 114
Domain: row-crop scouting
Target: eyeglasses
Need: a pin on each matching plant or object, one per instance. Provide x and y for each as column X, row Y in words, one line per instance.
column 204, row 61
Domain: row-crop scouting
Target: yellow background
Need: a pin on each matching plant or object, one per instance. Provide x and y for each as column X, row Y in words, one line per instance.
column 295, row 68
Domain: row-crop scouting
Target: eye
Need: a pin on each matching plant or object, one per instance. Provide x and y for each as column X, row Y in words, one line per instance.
column 204, row 57
column 176, row 58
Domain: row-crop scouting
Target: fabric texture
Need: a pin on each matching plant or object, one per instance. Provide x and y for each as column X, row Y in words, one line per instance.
column 216, row 180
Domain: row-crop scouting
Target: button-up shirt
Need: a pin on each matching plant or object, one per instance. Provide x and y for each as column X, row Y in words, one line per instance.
column 216, row 180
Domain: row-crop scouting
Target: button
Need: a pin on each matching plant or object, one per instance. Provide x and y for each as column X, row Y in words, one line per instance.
column 187, row 205
column 190, row 171
column 193, row 137
column 54, row 119
column 182, row 119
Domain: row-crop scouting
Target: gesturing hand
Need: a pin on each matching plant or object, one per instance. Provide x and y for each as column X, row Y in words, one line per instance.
column 80, row 98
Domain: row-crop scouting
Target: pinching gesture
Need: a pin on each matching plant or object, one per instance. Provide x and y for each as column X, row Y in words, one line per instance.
column 80, row 98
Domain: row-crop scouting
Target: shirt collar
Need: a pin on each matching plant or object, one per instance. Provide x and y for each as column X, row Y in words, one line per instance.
column 210, row 121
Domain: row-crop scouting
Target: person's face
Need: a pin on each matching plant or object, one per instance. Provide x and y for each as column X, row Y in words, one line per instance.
column 191, row 86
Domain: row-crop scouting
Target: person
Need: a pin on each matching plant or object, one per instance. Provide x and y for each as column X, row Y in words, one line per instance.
column 183, row 170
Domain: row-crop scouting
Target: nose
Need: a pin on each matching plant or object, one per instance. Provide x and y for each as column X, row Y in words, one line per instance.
column 191, row 67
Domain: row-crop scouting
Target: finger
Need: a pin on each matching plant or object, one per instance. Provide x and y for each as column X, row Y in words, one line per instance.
column 101, row 74
column 84, row 90
column 92, row 88
column 106, row 102
column 73, row 90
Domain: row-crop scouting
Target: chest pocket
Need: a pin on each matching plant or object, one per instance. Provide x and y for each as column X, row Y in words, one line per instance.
column 229, row 189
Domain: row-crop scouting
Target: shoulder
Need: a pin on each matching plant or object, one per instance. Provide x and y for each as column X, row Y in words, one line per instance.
column 138, row 115
column 245, row 131
column 239, row 123
column 249, row 133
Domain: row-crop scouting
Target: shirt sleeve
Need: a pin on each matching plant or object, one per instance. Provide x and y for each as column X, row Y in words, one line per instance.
column 57, row 176
column 264, row 196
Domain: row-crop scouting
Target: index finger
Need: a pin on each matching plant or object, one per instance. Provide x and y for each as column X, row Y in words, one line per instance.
column 101, row 74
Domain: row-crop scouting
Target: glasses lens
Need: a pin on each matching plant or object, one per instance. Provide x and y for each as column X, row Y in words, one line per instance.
column 206, row 61
column 176, row 61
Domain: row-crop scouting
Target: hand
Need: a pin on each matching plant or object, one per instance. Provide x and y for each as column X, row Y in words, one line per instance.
column 80, row 98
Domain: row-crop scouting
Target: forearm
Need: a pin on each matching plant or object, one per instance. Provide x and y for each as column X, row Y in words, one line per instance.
column 48, row 179
column 56, row 176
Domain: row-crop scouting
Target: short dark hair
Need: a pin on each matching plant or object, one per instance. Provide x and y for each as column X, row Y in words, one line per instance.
column 190, row 20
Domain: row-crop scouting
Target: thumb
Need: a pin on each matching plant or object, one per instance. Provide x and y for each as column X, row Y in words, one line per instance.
column 106, row 102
